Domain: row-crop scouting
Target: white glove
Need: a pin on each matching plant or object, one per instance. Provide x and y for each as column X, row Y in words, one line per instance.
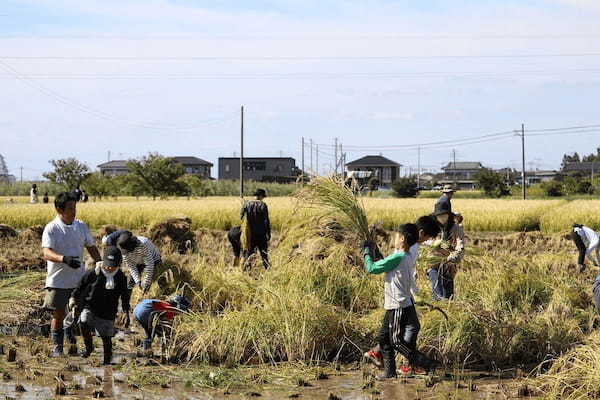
column 72, row 303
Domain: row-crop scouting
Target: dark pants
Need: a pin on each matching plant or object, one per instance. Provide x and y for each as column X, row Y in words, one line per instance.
column 261, row 245
column 442, row 283
column 399, row 332
column 234, row 236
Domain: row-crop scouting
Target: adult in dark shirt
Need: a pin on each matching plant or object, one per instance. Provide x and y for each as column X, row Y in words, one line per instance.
column 98, row 297
column 258, row 228
column 444, row 202
column 444, row 205
column 77, row 193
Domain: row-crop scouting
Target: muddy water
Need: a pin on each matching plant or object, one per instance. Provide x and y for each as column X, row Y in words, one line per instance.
column 89, row 382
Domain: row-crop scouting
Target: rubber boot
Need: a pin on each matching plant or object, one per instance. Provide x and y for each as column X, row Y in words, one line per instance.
column 57, row 339
column 107, row 344
column 89, row 347
column 71, row 339
column 389, row 366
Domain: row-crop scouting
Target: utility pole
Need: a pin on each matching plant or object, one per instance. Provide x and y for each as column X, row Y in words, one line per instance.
column 302, row 179
column 21, row 174
column 242, row 153
column 454, row 167
column 418, row 167
column 342, row 161
column 317, row 149
column 311, row 157
column 335, row 145
column 109, row 156
column 523, row 165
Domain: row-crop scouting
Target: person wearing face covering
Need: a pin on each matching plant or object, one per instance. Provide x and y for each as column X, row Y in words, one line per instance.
column 97, row 296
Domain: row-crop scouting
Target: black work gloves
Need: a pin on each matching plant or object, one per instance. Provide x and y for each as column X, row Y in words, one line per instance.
column 72, row 262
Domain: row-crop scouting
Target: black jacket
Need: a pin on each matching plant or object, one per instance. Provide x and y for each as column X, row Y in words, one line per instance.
column 257, row 214
column 92, row 293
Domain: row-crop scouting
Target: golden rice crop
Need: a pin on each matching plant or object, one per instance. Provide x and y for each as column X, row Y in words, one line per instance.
column 559, row 219
column 223, row 212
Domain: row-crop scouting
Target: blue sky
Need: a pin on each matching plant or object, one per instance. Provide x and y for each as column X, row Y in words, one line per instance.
column 81, row 78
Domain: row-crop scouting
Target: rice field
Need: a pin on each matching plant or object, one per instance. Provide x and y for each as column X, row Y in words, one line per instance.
column 481, row 215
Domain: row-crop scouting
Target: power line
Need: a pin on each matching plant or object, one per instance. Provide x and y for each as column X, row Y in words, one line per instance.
column 296, row 58
column 98, row 113
column 305, row 75
column 340, row 37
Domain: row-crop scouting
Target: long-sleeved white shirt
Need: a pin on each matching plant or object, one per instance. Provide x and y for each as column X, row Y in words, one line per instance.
column 591, row 240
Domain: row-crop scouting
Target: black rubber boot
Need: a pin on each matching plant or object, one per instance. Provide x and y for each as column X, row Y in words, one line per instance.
column 389, row 367
column 57, row 340
column 89, row 347
column 107, row 343
column 419, row 359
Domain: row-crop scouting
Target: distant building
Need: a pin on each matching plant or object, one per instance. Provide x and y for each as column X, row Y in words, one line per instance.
column 260, row 169
column 192, row 166
column 537, row 176
column 584, row 168
column 384, row 169
column 114, row 168
column 461, row 174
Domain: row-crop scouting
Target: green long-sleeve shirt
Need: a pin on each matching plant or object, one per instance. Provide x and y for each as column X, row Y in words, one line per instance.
column 383, row 265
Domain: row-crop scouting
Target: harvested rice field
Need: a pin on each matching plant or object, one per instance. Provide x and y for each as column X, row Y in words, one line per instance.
column 522, row 323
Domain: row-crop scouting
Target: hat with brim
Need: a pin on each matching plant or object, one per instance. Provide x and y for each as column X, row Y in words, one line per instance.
column 448, row 189
column 112, row 257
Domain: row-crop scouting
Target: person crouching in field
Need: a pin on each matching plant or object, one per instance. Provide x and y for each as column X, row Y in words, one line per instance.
column 156, row 317
column 453, row 236
column 98, row 297
column 588, row 244
column 140, row 255
column 63, row 241
column 401, row 324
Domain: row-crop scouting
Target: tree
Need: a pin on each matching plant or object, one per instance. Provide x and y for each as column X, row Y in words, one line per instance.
column 99, row 185
column 156, row 175
column 68, row 172
column 405, row 187
column 492, row 183
column 552, row 188
column 573, row 185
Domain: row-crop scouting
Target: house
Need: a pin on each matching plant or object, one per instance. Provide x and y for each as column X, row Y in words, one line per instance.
column 192, row 166
column 581, row 168
column 461, row 174
column 384, row 169
column 537, row 176
column 260, row 169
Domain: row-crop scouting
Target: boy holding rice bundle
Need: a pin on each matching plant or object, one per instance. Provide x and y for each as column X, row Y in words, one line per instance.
column 401, row 324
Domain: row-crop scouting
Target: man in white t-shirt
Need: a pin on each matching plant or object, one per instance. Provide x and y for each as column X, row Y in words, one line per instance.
column 63, row 241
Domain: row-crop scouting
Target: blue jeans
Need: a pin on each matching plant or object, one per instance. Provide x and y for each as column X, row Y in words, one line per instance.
column 442, row 284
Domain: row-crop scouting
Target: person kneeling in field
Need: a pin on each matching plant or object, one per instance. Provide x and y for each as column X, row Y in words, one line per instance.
column 98, row 296
column 401, row 324
column 156, row 315
column 140, row 256
column 588, row 243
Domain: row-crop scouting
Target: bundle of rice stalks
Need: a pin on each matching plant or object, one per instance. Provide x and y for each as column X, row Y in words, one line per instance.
column 175, row 233
column 334, row 199
column 575, row 375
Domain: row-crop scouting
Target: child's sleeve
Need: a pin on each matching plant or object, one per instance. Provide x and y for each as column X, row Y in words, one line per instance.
column 384, row 265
